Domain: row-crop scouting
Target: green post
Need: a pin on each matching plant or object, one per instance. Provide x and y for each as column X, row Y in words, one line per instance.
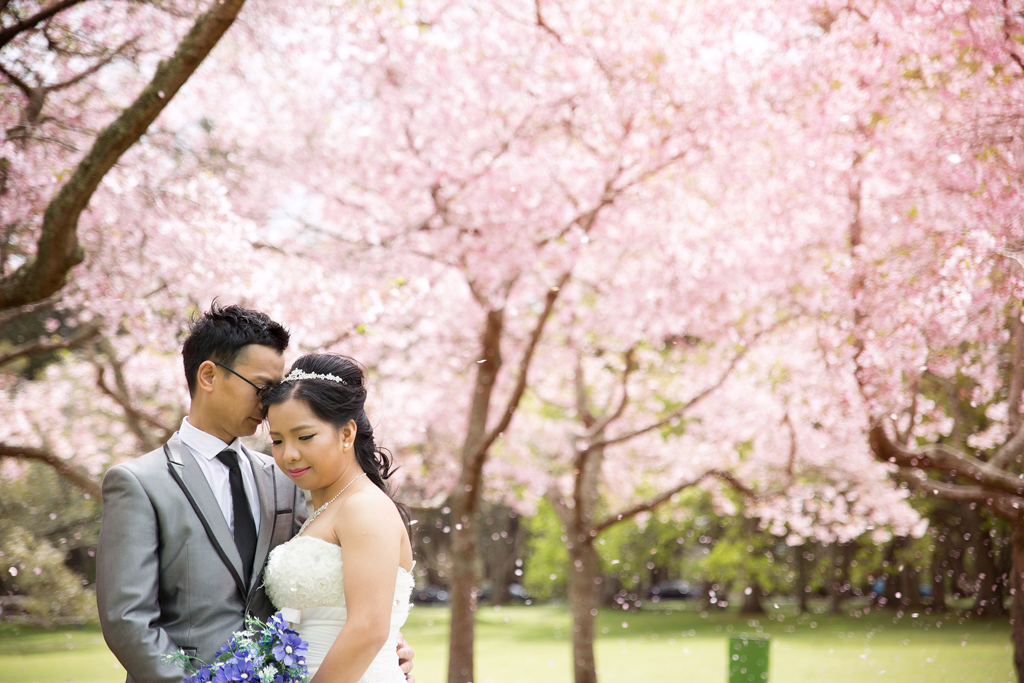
column 748, row 659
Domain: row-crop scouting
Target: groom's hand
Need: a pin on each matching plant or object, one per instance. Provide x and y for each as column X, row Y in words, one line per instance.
column 405, row 655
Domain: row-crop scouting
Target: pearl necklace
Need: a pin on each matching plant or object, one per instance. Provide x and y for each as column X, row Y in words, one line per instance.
column 324, row 506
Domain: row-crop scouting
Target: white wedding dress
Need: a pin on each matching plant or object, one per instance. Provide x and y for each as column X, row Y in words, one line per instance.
column 305, row 580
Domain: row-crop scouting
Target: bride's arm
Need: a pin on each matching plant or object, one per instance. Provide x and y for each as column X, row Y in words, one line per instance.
column 371, row 549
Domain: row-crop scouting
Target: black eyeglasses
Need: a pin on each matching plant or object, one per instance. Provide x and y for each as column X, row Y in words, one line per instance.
column 261, row 389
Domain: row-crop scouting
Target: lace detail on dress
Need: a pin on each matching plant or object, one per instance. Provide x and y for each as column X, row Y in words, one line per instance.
column 307, row 574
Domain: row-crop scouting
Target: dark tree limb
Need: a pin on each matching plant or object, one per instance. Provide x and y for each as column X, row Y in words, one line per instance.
column 26, row 89
column 1009, row 452
column 1009, row 507
column 475, row 462
column 83, row 335
column 1016, row 383
column 57, row 250
column 791, row 460
column 76, row 474
column 9, row 33
column 677, row 413
column 948, row 461
column 136, row 420
column 610, row 417
column 651, row 503
column 9, row 316
column 580, row 387
column 544, row 25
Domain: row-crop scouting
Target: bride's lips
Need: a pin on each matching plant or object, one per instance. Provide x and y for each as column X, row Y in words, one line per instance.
column 297, row 472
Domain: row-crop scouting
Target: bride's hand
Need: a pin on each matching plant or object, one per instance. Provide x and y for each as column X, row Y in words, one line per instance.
column 405, row 655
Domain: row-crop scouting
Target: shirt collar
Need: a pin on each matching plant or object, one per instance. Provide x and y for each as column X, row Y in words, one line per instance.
column 201, row 443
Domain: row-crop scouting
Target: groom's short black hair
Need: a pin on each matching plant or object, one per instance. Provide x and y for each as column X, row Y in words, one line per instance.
column 221, row 333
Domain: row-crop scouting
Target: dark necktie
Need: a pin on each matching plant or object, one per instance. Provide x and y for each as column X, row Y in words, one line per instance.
column 245, row 528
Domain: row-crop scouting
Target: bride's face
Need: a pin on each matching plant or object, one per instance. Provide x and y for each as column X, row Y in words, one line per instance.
column 306, row 448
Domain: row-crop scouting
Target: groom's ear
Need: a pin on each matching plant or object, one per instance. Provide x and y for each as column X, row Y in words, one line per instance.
column 204, row 376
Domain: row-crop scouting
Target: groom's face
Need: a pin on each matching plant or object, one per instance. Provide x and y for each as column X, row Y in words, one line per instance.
column 238, row 408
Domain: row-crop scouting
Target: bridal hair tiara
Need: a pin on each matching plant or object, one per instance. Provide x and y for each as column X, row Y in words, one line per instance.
column 296, row 375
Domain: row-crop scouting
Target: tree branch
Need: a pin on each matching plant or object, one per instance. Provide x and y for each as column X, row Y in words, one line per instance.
column 1007, row 506
column 476, row 460
column 1016, row 385
column 657, row 500
column 791, row 461
column 1009, row 452
column 8, row 34
column 544, row 25
column 9, row 316
column 106, row 59
column 81, row 336
column 26, row 89
column 677, row 413
column 580, row 387
column 946, row 460
column 1009, row 37
column 57, row 250
column 134, row 417
column 608, row 418
column 76, row 474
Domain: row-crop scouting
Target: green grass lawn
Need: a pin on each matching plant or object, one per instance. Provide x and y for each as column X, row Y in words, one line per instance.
column 671, row 642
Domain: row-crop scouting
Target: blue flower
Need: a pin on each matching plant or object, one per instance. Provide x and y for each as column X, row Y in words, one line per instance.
column 201, row 676
column 290, row 648
column 237, row 670
column 227, row 648
column 276, row 624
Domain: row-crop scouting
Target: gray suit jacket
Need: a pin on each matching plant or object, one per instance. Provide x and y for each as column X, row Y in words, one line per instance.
column 168, row 574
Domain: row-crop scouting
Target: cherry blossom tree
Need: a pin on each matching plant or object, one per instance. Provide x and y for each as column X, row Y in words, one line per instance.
column 915, row 153
column 659, row 421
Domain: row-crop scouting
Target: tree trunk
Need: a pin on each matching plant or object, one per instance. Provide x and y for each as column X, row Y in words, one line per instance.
column 496, row 550
column 1017, row 591
column 910, row 580
column 465, row 507
column 463, row 593
column 752, row 599
column 988, row 601
column 938, row 572
column 839, row 581
column 583, row 599
column 802, row 584
column 892, row 584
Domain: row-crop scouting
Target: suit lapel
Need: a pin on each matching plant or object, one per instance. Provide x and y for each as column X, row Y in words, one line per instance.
column 197, row 489
column 264, row 474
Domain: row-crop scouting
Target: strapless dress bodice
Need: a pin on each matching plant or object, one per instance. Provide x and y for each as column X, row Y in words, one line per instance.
column 305, row 580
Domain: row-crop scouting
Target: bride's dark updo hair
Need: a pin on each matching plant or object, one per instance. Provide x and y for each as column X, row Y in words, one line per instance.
column 337, row 403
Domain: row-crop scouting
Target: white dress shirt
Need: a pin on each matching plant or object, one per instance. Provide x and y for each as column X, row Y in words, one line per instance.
column 205, row 448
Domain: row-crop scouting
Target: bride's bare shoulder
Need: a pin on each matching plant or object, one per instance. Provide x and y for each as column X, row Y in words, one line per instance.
column 369, row 507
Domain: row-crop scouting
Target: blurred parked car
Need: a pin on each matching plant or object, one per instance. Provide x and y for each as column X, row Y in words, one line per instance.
column 430, row 595
column 515, row 592
column 673, row 590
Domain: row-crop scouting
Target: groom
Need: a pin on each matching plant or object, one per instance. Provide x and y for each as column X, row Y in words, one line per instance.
column 187, row 528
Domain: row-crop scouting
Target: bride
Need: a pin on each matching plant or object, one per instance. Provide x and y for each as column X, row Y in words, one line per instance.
column 323, row 440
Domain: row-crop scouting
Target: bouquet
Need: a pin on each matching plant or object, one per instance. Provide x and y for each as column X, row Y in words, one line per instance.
column 262, row 653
